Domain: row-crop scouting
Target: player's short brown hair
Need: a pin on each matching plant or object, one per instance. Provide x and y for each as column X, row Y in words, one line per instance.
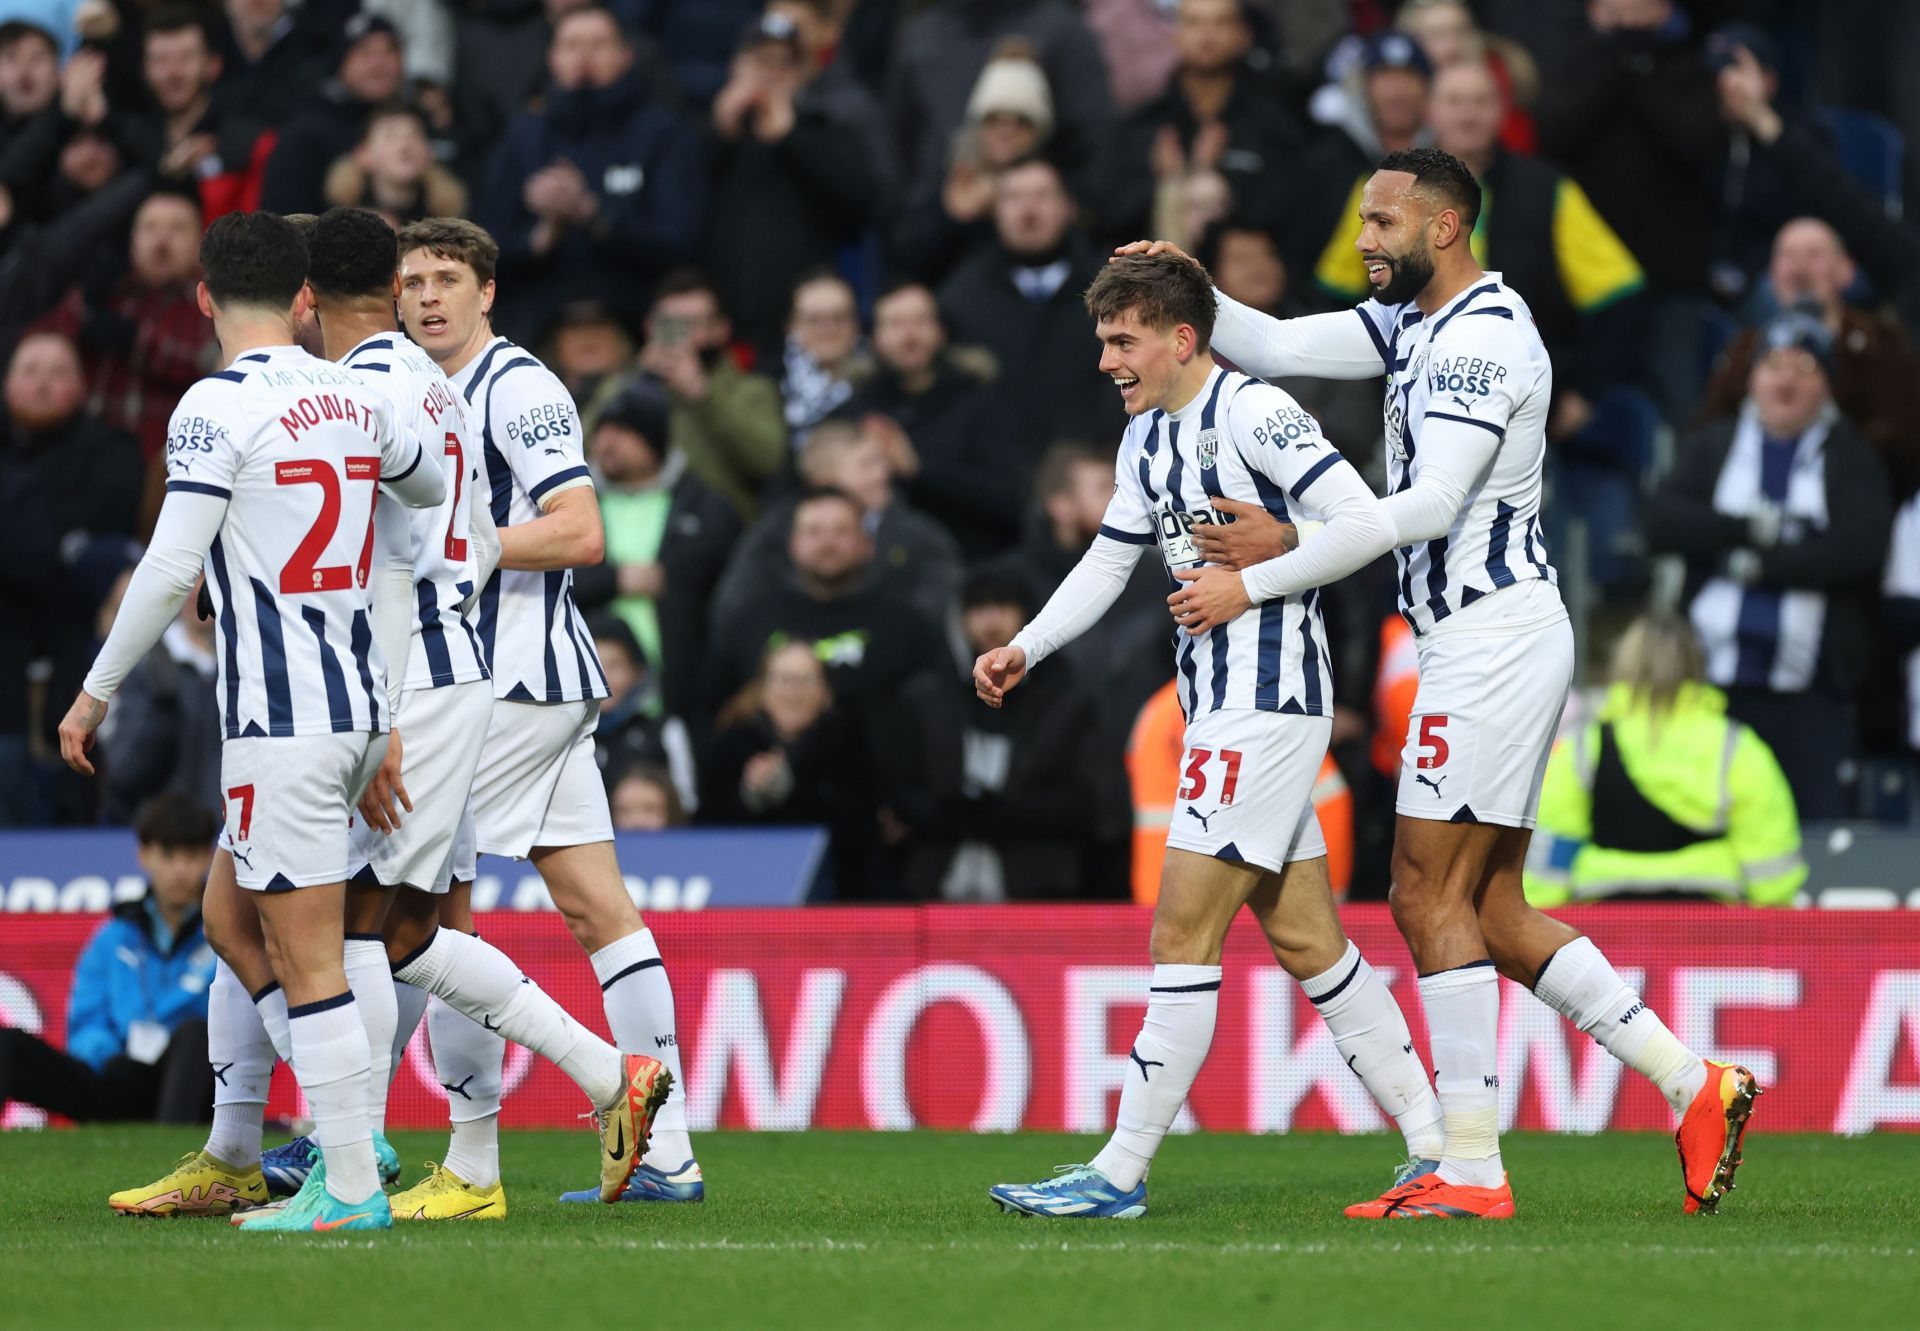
column 1163, row 291
column 453, row 238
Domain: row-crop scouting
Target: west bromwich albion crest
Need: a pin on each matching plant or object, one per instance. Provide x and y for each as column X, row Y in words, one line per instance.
column 1207, row 445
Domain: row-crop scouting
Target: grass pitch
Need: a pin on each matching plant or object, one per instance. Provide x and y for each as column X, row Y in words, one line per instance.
column 876, row 1230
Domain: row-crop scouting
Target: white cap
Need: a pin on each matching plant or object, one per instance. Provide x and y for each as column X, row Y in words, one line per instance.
column 1017, row 86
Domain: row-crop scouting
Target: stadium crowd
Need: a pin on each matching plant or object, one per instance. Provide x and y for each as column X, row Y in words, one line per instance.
column 812, row 270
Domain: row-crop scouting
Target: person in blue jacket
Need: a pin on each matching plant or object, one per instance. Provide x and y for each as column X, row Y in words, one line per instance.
column 137, row 1010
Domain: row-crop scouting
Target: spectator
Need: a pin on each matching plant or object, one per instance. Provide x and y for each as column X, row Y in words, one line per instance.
column 1782, row 516
column 939, row 55
column 667, row 540
column 696, row 41
column 143, row 336
column 269, row 62
column 726, row 420
column 65, row 153
column 632, row 728
column 1386, row 113
column 914, row 558
column 1009, row 119
column 369, row 71
column 1448, row 34
column 1780, row 167
column 189, row 134
column 1662, row 794
column 1540, row 232
column 998, row 804
column 589, row 349
column 642, row 798
column 1876, row 374
column 29, row 85
column 1245, row 263
column 1218, row 117
column 1136, row 43
column 871, row 640
column 1900, row 615
column 1019, row 298
column 801, row 167
column 1122, row 659
column 825, row 353
column 950, row 461
column 787, row 754
column 163, row 734
column 1629, row 114
column 599, row 192
column 137, row 1008
column 392, row 171
column 425, row 29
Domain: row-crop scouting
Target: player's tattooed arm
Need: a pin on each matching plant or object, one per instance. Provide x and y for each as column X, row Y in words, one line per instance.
column 77, row 731
column 1248, row 535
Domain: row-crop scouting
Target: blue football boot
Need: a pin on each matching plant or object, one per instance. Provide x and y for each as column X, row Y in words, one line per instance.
column 1078, row 1192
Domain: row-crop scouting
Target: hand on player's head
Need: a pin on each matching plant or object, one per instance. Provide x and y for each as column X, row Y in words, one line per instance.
column 1151, row 248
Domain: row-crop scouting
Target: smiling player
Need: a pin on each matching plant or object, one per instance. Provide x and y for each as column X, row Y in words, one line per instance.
column 1256, row 687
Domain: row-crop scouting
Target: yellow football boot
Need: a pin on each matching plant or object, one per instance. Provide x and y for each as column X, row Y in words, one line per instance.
column 200, row 1184
column 444, row 1195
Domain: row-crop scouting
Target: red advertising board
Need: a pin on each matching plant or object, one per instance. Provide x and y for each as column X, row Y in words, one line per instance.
column 996, row 1018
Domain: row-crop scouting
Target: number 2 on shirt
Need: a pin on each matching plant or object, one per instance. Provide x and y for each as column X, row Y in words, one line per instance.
column 1196, row 782
column 303, row 573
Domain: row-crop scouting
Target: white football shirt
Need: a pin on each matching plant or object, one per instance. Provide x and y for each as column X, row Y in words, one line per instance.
column 297, row 446
column 445, row 648
column 536, row 640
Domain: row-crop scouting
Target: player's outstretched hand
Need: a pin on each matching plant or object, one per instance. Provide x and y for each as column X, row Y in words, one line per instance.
column 76, row 731
column 385, row 791
column 1252, row 537
column 1150, row 248
column 997, row 671
column 1210, row 597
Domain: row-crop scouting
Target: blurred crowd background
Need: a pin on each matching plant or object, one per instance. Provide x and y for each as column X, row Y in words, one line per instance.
column 812, row 271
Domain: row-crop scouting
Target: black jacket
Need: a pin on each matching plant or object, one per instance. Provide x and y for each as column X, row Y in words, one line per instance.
column 644, row 163
column 312, row 141
column 1844, row 560
column 1041, row 816
column 1635, row 118
column 1049, row 386
column 970, row 472
column 781, row 208
column 164, row 736
column 872, row 641
column 702, row 528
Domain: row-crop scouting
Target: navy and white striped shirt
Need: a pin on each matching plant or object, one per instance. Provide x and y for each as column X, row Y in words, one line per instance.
column 535, row 638
column 445, row 648
column 297, row 446
column 1246, row 440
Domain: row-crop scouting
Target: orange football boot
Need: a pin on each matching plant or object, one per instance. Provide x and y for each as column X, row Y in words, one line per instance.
column 1431, row 1197
column 1711, row 1132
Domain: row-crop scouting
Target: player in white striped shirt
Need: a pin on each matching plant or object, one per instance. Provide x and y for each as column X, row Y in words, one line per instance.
column 272, row 466
column 537, row 794
column 1256, row 686
column 1468, row 390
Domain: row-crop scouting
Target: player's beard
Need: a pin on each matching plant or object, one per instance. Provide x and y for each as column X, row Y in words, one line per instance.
column 1408, row 275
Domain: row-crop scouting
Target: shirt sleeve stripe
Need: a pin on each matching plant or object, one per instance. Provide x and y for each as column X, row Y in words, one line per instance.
column 198, row 488
column 1379, row 343
column 1314, row 473
column 419, row 452
column 231, row 376
column 1499, row 431
column 558, row 478
column 1126, row 537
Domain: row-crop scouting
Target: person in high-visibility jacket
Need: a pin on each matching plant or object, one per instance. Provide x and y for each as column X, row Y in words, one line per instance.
column 1154, row 754
column 1663, row 794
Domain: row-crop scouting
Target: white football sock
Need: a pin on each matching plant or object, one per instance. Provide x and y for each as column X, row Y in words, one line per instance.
column 476, row 978
column 639, row 1005
column 330, row 1059
column 241, row 1057
column 1463, row 1027
column 410, row 1005
column 371, row 980
column 1580, row 984
column 271, row 1004
column 1371, row 1034
column 467, row 1059
column 1166, row 1057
